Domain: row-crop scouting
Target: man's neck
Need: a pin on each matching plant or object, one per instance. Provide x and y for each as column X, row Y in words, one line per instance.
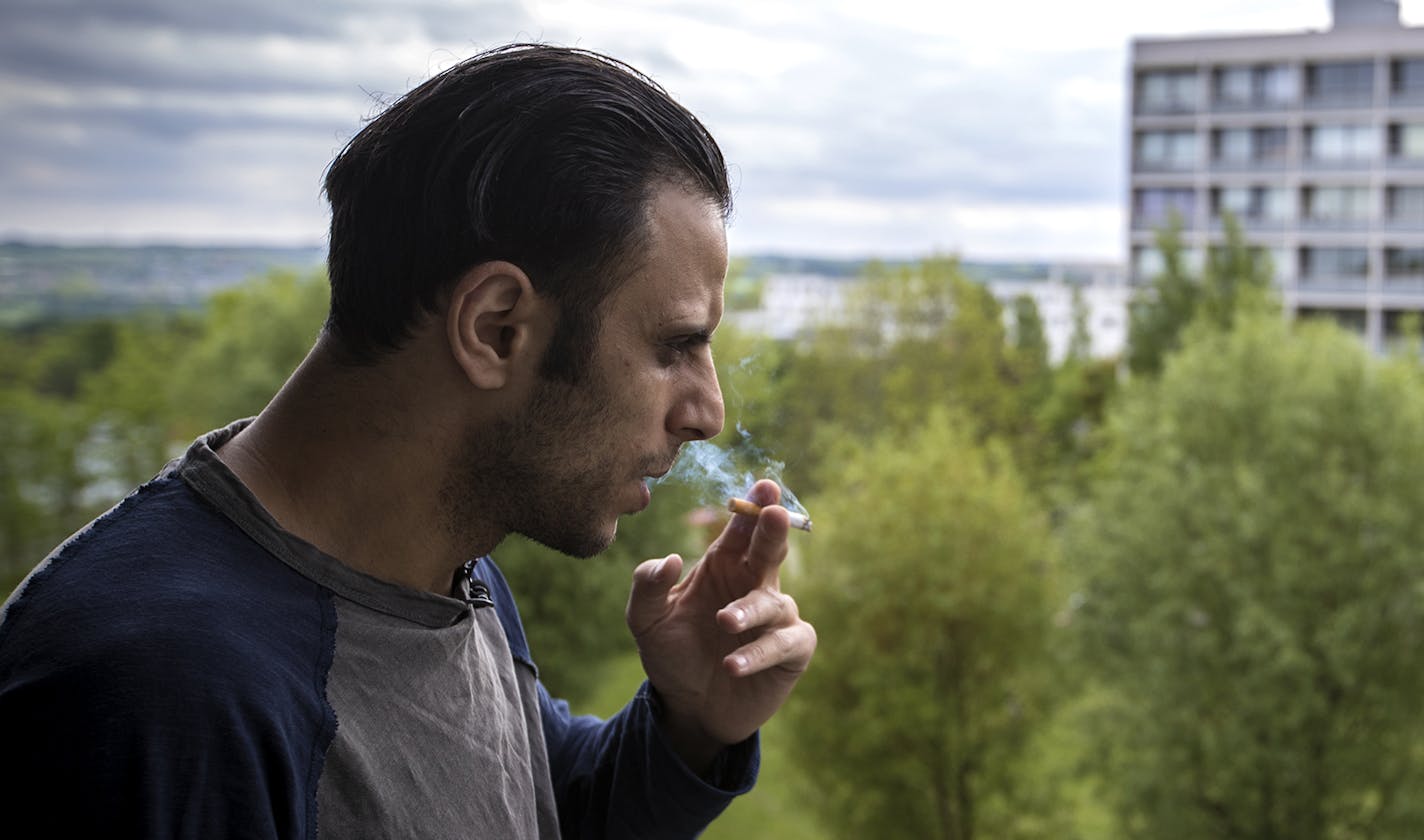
column 338, row 459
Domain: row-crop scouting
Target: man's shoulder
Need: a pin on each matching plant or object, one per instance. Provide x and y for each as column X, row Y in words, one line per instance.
column 164, row 593
column 173, row 671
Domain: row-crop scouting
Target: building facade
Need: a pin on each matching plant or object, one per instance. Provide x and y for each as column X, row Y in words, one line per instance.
column 1314, row 141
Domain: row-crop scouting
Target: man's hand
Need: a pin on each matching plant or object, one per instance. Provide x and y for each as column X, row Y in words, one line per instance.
column 724, row 647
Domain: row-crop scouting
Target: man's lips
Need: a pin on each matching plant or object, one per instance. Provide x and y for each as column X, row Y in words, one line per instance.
column 660, row 469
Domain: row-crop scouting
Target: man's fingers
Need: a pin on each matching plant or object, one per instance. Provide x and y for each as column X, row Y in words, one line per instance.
column 768, row 545
column 765, row 492
column 758, row 608
column 738, row 533
column 647, row 600
column 787, row 647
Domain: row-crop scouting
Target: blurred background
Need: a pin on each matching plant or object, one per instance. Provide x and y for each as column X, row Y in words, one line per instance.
column 1087, row 333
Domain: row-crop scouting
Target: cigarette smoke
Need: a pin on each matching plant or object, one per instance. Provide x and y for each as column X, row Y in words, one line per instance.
column 717, row 474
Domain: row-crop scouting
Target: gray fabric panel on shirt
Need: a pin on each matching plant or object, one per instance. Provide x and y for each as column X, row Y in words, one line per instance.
column 437, row 733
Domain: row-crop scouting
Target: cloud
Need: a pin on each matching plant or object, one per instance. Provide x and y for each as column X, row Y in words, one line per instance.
column 893, row 126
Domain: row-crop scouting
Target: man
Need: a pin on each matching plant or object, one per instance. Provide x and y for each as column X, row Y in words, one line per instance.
column 287, row 632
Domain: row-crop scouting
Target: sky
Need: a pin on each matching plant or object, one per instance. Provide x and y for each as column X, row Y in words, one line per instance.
column 853, row 128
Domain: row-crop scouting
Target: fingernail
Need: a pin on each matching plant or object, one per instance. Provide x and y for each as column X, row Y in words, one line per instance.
column 739, row 616
column 740, row 663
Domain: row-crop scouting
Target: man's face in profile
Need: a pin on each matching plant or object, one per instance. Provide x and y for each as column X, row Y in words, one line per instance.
column 576, row 457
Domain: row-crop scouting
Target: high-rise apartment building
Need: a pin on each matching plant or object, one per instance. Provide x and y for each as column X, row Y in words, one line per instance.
column 1314, row 141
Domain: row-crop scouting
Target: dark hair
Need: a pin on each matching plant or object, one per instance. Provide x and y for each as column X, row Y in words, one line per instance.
column 543, row 156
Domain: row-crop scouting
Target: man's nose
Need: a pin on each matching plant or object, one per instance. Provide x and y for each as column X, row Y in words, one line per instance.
column 700, row 413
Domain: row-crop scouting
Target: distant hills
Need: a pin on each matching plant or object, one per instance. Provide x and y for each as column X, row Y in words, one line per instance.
column 984, row 271
column 44, row 282
column 47, row 282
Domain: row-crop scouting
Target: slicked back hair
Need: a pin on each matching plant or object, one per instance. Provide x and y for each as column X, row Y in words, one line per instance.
column 543, row 156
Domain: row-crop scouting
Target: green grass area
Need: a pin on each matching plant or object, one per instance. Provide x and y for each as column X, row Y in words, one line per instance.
column 772, row 809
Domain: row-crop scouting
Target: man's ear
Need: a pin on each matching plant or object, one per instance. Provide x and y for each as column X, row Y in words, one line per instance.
column 492, row 319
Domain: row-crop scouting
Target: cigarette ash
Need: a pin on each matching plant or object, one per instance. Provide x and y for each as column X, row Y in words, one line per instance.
column 718, row 474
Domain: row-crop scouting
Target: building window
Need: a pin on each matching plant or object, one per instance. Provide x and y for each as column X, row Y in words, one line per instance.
column 1166, row 91
column 1252, row 205
column 1249, row 146
column 1405, row 204
column 1280, row 261
column 1232, row 145
column 1167, row 150
column 1324, row 263
column 1148, row 263
column 1233, row 87
column 1276, row 84
column 1337, row 204
column 1406, row 141
column 1406, row 80
column 1340, row 83
column 1404, row 262
column 1271, row 144
column 1341, row 143
column 1154, row 206
column 1259, row 86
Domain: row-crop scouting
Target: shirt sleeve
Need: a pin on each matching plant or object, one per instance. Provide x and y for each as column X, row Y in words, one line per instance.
column 157, row 711
column 620, row 778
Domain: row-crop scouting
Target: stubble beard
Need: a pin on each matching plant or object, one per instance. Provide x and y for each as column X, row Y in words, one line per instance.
column 530, row 474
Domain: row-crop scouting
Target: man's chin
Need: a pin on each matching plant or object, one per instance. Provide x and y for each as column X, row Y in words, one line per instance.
column 580, row 545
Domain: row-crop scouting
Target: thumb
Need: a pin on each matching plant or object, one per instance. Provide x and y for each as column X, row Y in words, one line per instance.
column 652, row 580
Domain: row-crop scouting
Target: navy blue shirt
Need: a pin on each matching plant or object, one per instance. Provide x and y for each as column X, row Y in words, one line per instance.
column 183, row 667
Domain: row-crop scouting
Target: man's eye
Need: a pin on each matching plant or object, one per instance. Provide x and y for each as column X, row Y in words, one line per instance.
column 689, row 343
column 683, row 345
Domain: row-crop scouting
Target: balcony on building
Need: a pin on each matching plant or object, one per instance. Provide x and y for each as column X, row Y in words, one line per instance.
column 1259, row 87
column 1342, row 146
column 1166, row 151
column 1406, row 81
column 1404, row 208
column 1158, row 207
column 1340, row 84
column 1404, row 270
column 1406, row 145
column 1261, row 147
column 1255, row 208
column 1167, row 91
column 1148, row 263
column 1339, row 208
column 1333, row 269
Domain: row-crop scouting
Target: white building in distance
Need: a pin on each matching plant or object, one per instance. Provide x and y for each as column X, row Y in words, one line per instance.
column 793, row 304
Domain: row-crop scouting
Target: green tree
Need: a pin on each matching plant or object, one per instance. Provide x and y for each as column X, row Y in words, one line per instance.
column 1252, row 592
column 135, row 399
column 42, row 479
column 1158, row 314
column 1080, row 341
column 1030, row 339
column 1236, row 277
column 929, row 581
column 251, row 338
column 47, row 449
column 909, row 338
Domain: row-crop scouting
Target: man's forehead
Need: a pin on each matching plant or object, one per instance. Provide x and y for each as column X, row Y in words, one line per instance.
column 679, row 273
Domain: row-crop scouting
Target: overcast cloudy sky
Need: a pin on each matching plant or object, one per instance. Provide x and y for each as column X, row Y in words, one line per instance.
column 853, row 127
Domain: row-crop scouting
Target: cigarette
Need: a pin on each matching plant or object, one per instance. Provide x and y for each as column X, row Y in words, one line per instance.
column 798, row 520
